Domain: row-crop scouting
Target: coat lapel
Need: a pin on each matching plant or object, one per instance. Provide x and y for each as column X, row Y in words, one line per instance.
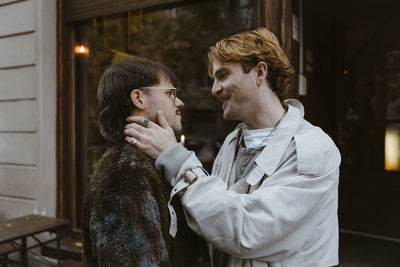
column 268, row 160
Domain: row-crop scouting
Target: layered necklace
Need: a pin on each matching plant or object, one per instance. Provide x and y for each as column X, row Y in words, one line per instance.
column 245, row 156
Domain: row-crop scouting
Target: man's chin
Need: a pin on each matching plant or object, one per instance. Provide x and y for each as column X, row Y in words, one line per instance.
column 227, row 116
column 177, row 129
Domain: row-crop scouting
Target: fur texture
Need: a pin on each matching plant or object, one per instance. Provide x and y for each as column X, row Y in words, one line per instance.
column 125, row 216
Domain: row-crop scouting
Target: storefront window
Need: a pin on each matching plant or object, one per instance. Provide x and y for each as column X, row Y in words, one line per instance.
column 177, row 37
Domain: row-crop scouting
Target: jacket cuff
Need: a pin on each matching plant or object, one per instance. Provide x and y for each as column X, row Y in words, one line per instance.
column 171, row 160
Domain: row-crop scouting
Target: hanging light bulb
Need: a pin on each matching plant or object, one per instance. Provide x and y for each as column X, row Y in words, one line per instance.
column 81, row 49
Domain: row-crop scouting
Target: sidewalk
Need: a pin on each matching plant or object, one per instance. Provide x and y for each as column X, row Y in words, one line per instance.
column 360, row 251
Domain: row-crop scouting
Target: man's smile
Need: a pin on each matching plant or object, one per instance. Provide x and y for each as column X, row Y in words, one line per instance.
column 223, row 99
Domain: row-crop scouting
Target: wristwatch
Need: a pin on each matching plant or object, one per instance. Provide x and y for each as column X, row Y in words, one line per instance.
column 191, row 175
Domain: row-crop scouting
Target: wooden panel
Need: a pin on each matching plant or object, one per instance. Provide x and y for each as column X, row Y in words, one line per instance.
column 47, row 73
column 18, row 50
column 271, row 16
column 14, row 207
column 18, row 181
column 18, row 148
column 85, row 9
column 17, row 18
column 18, row 115
column 65, row 115
column 18, row 83
column 286, row 26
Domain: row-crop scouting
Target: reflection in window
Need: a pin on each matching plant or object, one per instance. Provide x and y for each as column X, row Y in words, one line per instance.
column 392, row 132
column 393, row 95
column 392, row 147
column 178, row 37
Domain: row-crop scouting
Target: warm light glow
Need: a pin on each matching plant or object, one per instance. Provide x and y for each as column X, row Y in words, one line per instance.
column 182, row 139
column 392, row 149
column 346, row 72
column 81, row 50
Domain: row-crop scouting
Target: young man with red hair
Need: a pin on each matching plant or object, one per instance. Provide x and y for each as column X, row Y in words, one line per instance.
column 272, row 197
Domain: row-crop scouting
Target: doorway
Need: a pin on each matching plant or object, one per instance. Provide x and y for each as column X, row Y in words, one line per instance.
column 352, row 66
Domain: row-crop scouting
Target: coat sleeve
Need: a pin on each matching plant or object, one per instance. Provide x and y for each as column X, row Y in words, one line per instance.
column 126, row 231
column 272, row 222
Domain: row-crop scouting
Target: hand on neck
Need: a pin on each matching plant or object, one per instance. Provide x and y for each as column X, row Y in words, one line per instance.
column 143, row 113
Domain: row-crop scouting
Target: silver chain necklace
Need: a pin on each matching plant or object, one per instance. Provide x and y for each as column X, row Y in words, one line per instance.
column 246, row 155
column 266, row 138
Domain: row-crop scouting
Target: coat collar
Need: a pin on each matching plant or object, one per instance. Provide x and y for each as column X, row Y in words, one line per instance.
column 268, row 160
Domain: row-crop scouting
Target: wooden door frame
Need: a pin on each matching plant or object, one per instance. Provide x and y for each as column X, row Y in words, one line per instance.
column 65, row 117
column 276, row 15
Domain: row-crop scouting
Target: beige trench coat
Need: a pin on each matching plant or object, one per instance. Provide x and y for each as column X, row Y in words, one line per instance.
column 284, row 213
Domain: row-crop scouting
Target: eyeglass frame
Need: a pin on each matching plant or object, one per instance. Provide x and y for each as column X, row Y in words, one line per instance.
column 161, row 88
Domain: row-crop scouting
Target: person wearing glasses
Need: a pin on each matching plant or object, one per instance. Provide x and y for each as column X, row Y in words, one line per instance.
column 271, row 199
column 126, row 220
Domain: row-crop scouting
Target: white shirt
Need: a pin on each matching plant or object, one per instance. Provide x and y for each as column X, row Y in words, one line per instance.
column 256, row 138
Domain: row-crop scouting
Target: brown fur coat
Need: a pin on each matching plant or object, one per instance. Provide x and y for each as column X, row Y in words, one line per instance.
column 126, row 220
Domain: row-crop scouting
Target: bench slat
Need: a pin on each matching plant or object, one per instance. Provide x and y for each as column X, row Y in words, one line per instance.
column 28, row 225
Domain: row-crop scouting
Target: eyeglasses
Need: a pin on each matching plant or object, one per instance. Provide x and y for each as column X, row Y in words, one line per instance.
column 172, row 89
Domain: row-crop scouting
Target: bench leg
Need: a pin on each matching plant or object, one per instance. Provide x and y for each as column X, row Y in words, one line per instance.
column 58, row 246
column 4, row 260
column 24, row 253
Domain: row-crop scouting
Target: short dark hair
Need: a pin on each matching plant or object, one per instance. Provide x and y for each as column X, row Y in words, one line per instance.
column 115, row 88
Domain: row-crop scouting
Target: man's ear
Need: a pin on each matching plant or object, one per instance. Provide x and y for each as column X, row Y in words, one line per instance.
column 138, row 99
column 261, row 71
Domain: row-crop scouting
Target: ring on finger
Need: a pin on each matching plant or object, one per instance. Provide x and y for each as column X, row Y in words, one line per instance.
column 146, row 123
column 134, row 142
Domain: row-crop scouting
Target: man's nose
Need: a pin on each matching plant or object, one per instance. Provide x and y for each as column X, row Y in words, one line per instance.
column 178, row 103
column 216, row 89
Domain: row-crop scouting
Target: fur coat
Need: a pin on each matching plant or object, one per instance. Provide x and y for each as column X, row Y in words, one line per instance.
column 126, row 220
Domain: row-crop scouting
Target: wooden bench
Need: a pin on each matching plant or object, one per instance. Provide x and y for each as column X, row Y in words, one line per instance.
column 19, row 229
column 71, row 249
column 6, row 249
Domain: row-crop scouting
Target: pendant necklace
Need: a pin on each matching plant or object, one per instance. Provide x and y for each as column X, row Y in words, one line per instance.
column 246, row 155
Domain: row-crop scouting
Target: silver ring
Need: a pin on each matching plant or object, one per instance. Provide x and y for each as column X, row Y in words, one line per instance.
column 134, row 142
column 146, row 123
